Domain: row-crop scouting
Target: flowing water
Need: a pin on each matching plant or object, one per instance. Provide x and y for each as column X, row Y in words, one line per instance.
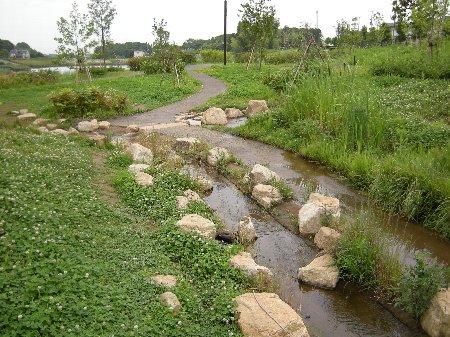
column 344, row 312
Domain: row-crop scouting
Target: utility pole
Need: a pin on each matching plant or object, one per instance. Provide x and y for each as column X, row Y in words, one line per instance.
column 225, row 32
column 317, row 19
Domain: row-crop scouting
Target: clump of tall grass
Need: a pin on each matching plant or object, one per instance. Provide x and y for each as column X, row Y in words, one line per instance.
column 369, row 255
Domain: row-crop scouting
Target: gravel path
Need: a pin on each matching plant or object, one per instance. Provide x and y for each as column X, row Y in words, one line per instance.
column 210, row 87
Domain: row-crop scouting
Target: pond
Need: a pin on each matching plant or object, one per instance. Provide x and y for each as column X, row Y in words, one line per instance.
column 71, row 69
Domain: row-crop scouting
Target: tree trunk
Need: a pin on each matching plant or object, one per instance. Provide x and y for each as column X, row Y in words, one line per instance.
column 103, row 48
column 251, row 56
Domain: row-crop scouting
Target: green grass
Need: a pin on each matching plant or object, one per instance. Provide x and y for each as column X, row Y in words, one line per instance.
column 147, row 91
column 388, row 135
column 73, row 263
column 368, row 254
column 243, row 86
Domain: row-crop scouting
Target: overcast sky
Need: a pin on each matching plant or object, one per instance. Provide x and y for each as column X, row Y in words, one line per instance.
column 34, row 21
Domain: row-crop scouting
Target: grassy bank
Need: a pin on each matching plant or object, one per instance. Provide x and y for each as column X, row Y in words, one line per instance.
column 388, row 135
column 147, row 92
column 76, row 261
column 370, row 256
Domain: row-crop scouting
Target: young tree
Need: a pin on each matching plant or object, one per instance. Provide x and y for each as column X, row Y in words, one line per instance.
column 102, row 13
column 426, row 18
column 166, row 56
column 260, row 25
column 76, row 38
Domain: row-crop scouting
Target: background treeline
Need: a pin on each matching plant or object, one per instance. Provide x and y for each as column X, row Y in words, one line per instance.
column 6, row 46
column 123, row 50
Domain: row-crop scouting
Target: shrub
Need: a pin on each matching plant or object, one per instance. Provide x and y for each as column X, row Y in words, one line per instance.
column 214, row 56
column 97, row 71
column 84, row 101
column 419, row 284
column 282, row 57
column 21, row 78
column 135, row 63
column 278, row 81
column 241, row 57
column 189, row 57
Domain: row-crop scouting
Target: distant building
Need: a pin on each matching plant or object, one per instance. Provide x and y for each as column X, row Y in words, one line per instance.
column 19, row 54
column 138, row 53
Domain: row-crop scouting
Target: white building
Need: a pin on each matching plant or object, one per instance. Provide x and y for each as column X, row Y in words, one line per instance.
column 138, row 53
column 19, row 54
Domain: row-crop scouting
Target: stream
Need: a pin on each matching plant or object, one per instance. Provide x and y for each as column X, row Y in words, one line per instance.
column 344, row 312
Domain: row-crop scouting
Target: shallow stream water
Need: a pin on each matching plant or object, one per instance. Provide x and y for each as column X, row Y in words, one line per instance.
column 344, row 312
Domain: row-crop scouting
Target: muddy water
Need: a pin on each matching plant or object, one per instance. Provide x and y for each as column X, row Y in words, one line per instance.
column 411, row 236
column 344, row 312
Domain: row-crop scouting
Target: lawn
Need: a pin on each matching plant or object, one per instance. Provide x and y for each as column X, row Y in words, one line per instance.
column 75, row 260
column 148, row 92
column 388, row 134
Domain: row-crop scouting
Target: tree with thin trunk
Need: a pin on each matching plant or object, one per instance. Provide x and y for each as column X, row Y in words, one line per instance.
column 102, row 13
column 76, row 39
column 425, row 18
column 260, row 25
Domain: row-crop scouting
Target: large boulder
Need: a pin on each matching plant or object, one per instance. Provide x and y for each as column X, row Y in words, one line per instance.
column 205, row 184
column 52, row 126
column 86, row 126
column 169, row 281
column 40, row 121
column 436, row 320
column 133, row 128
column 186, row 144
column 266, row 195
column 246, row 231
column 214, row 116
column 182, row 202
column 98, row 139
column 256, row 107
column 266, row 315
column 192, row 196
column 140, row 153
column 245, row 263
column 261, row 174
column 321, row 272
column 309, row 217
column 215, row 154
column 198, row 224
column 135, row 168
column 60, row 132
column 233, row 113
column 104, row 125
column 143, row 179
column 330, row 204
column 26, row 117
column 171, row 301
column 327, row 238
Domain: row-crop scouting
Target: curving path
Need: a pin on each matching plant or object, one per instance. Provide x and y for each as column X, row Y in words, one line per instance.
column 210, row 87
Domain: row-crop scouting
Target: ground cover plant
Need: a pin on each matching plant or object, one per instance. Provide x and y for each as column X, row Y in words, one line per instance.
column 388, row 135
column 148, row 92
column 76, row 262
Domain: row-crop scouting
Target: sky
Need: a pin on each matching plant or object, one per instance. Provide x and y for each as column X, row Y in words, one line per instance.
column 34, row 21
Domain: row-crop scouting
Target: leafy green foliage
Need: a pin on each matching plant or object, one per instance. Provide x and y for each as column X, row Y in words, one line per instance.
column 419, row 284
column 85, row 102
column 24, row 78
column 73, row 264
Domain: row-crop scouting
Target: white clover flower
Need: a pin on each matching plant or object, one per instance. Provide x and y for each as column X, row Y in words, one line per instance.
column 20, row 317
